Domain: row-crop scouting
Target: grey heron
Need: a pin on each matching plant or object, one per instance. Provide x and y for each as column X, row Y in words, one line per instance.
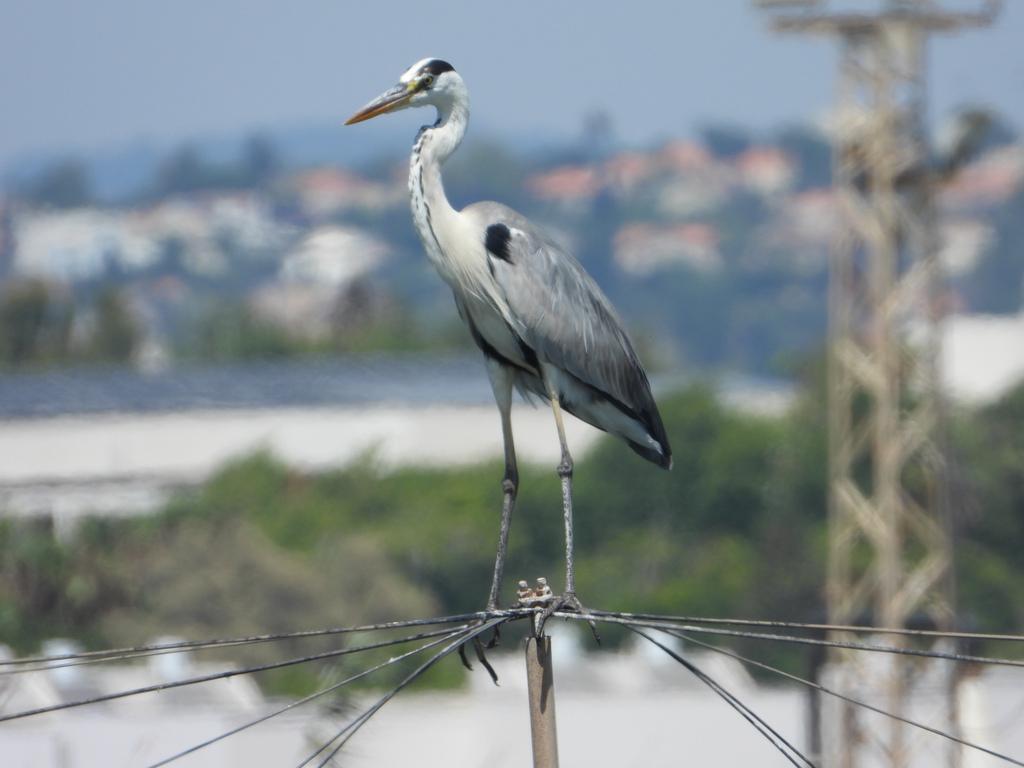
column 544, row 326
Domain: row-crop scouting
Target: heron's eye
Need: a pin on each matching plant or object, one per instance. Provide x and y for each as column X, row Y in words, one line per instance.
column 427, row 80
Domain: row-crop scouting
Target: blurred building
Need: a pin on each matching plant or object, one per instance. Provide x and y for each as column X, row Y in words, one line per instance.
column 317, row 278
column 642, row 248
column 143, row 728
column 983, row 356
column 200, row 233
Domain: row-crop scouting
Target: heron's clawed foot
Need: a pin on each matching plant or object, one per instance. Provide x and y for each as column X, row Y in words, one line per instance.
column 566, row 603
column 478, row 648
column 495, row 640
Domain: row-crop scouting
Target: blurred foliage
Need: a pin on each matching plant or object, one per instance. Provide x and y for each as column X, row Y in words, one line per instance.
column 198, row 573
column 63, row 184
column 737, row 529
column 116, row 334
column 263, row 548
column 186, row 170
column 485, row 170
column 991, row 450
column 810, row 148
column 35, row 325
column 41, row 326
column 996, row 284
column 230, row 331
column 726, row 140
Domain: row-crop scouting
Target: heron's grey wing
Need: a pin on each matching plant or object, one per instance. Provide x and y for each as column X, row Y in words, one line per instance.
column 563, row 316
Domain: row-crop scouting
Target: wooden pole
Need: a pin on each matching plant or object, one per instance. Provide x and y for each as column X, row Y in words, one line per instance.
column 541, row 685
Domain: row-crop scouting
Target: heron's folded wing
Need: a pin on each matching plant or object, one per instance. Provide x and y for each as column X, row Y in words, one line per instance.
column 560, row 311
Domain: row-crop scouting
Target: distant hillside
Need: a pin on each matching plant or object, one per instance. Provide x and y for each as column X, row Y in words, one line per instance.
column 119, row 173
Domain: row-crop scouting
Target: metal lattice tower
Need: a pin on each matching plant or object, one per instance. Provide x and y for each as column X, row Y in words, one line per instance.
column 890, row 557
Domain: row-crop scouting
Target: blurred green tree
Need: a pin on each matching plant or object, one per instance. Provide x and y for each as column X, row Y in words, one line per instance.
column 725, row 141
column 737, row 529
column 116, row 333
column 64, row 184
column 260, row 162
column 812, row 152
column 35, row 325
column 997, row 283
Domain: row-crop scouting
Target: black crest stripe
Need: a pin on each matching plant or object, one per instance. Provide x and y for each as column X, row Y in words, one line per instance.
column 437, row 67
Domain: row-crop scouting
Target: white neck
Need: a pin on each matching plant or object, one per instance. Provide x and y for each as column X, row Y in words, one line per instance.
column 453, row 245
column 430, row 207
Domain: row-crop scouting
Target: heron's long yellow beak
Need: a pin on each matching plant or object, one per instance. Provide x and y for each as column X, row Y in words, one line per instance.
column 393, row 99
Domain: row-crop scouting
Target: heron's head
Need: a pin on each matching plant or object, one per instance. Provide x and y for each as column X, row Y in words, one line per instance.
column 430, row 82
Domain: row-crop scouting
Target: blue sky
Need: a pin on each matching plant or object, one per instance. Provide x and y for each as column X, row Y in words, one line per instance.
column 80, row 75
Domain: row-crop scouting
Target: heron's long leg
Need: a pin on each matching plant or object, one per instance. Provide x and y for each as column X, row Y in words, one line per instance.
column 502, row 379
column 565, row 468
column 510, row 486
column 568, row 600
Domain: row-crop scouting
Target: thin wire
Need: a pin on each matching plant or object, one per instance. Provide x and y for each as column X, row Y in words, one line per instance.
column 813, row 627
column 611, row 618
column 307, row 699
column 35, row 663
column 216, row 676
column 775, row 738
column 350, row 730
column 409, row 680
column 823, row 689
column 673, row 625
column 364, row 718
column 121, row 654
